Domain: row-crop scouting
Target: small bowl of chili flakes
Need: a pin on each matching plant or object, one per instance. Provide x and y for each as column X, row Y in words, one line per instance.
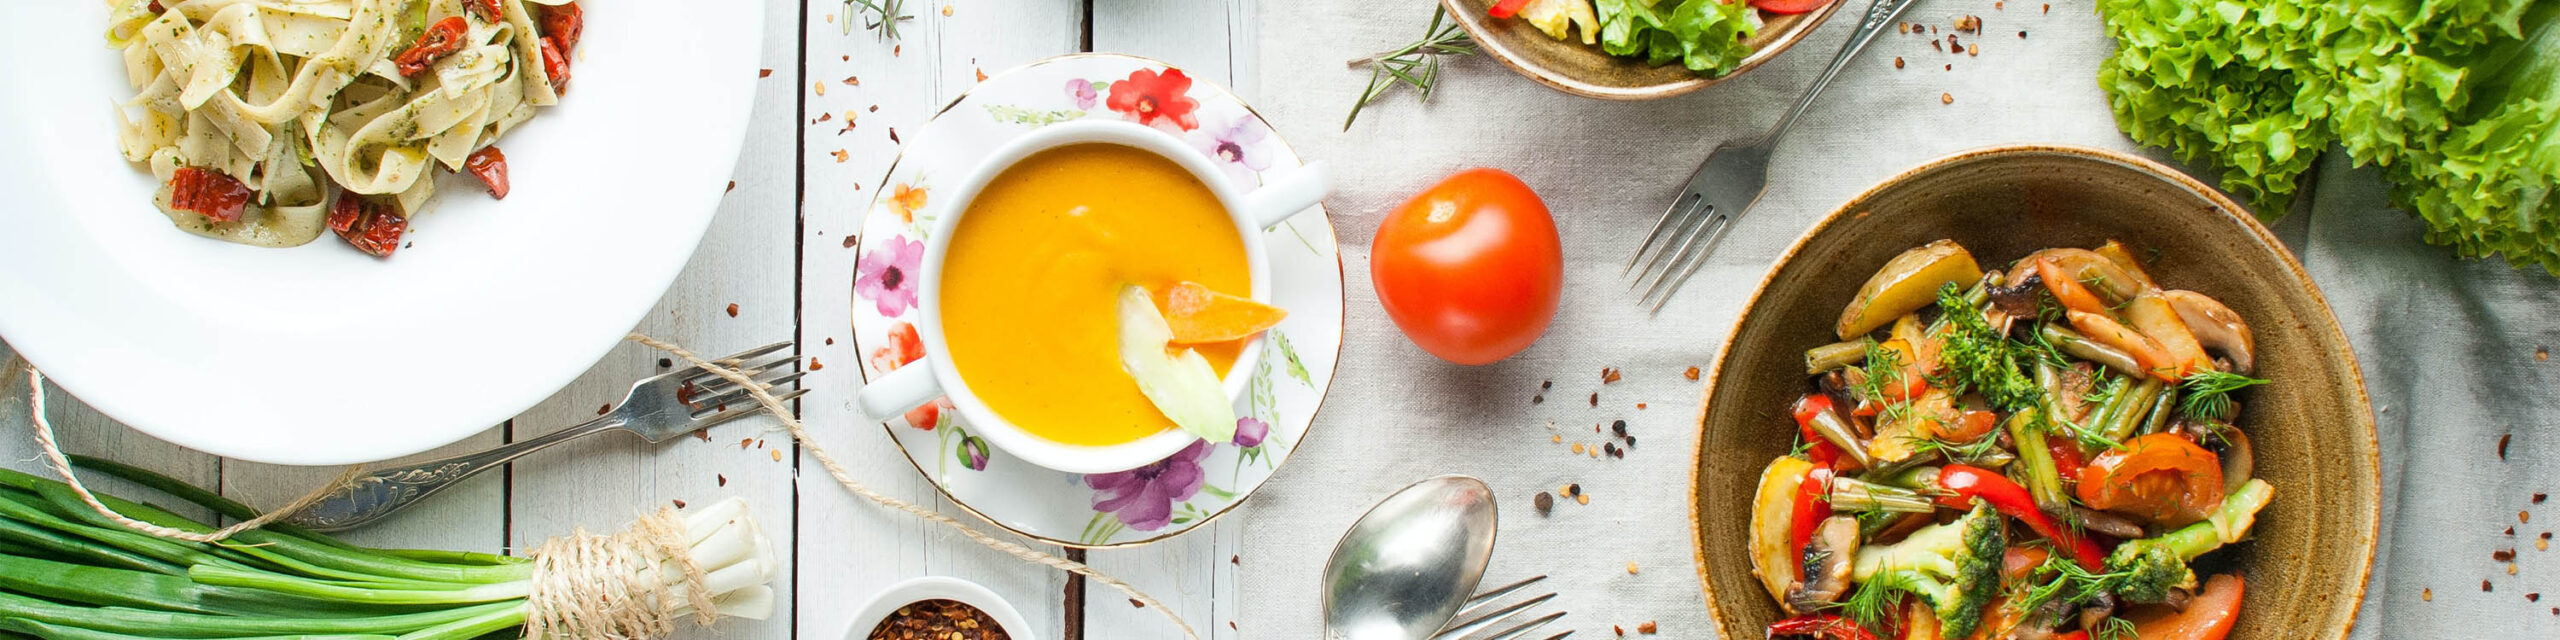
column 938, row 608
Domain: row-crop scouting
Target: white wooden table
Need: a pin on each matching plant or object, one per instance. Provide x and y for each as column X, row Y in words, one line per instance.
column 776, row 253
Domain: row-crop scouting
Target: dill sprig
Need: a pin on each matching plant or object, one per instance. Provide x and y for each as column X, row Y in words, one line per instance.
column 881, row 16
column 1877, row 599
column 1882, row 373
column 2071, row 583
column 2209, row 393
column 1416, row 65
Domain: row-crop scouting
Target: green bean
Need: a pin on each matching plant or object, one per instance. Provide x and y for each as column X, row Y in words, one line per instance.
column 2080, row 346
column 2035, row 461
column 2132, row 409
column 1835, row 355
column 2160, row 411
column 1851, row 494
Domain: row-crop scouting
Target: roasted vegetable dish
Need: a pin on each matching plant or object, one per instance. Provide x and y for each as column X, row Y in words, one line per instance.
column 2038, row 453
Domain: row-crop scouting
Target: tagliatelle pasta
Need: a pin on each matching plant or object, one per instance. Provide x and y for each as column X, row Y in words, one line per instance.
column 329, row 114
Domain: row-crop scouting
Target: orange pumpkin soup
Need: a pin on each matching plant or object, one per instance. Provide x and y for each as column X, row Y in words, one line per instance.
column 1030, row 286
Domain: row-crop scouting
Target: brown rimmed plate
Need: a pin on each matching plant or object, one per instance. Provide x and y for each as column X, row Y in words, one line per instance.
column 1580, row 69
column 2312, row 428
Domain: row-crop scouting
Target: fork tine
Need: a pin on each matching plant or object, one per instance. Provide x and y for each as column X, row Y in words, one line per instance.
column 1678, row 205
column 715, row 416
column 1676, row 249
column 740, row 393
column 1501, row 591
column 1526, row 627
column 1723, row 227
column 705, row 379
column 1478, row 623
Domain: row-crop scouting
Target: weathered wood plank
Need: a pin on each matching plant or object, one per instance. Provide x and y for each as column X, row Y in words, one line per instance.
column 856, row 549
column 82, row 430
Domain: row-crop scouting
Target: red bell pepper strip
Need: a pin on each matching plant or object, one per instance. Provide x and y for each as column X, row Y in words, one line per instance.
column 1507, row 8
column 2075, row 635
column 1811, row 508
column 1826, row 626
column 1964, row 483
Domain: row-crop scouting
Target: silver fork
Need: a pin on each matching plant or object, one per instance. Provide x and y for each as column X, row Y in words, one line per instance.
column 660, row 407
column 1479, row 614
column 1728, row 183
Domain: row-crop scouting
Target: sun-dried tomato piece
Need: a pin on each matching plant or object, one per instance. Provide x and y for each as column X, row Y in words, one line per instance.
column 488, row 10
column 370, row 226
column 213, row 194
column 155, row 7
column 555, row 63
column 490, row 166
column 563, row 22
column 441, row 39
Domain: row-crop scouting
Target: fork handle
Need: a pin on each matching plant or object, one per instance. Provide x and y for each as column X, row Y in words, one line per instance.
column 377, row 494
column 1879, row 14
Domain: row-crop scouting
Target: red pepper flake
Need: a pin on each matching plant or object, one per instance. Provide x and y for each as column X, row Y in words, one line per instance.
column 2427, row 595
column 840, row 155
column 982, row 73
column 1897, row 62
column 1608, row 375
column 604, row 409
column 831, row 342
column 1935, row 45
column 1691, row 374
column 2541, row 354
column 2484, row 586
column 1235, row 560
column 1946, row 98
column 1646, row 628
column 895, row 51
column 2048, row 8
column 853, row 81
column 764, row 73
column 823, row 117
column 1619, row 630
column 2539, row 497
column 679, row 503
column 2022, row 34
column 2533, row 597
column 893, row 135
column 723, row 478
column 1134, row 603
column 2502, row 446
column 1999, row 6
column 733, row 309
column 746, row 442
column 813, row 364
column 733, row 186
column 213, row 194
column 704, row 434
column 440, row 39
column 850, row 241
column 1639, row 406
column 1595, row 398
column 2505, row 555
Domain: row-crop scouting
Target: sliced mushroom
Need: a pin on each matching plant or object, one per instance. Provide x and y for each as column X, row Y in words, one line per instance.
column 1828, row 560
column 2107, row 523
column 2096, row 611
column 2239, row 462
column 2216, row 327
column 2044, row 623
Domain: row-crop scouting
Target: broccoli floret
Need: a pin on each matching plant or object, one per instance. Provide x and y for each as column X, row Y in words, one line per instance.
column 1954, row 566
column 2152, row 567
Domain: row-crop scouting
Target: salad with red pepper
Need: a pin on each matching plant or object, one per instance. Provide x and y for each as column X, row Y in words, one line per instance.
column 2034, row 453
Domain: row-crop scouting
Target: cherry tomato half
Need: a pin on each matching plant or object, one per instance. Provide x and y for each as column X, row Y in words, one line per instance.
column 2160, row 476
column 2208, row 617
column 1471, row 268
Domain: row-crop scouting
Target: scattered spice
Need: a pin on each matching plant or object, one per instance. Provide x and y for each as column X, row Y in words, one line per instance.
column 1946, row 98
column 733, row 309
column 2022, row 35
column 1577, row 448
column 1611, row 448
column 893, row 134
column 1631, row 568
column 946, row 11
column 1572, row 490
column 1974, row 50
column 1968, row 24
column 724, row 479
column 2539, row 497
column 2502, row 446
column 1595, row 398
column 1639, row 406
column 1691, row 374
column 703, row 433
column 1537, row 399
column 853, row 81
column 2511, row 568
column 2543, row 544
column 821, row 88
column 2048, row 8
column 664, row 363
column 939, row 619
column 1235, row 560
column 2428, row 595
column 764, row 73
column 1897, row 62
column 1936, row 46
column 1631, row 442
column 2533, row 597
column 813, row 364
column 1544, row 502
column 679, row 504
column 1582, row 499
column 849, row 241
column 1608, row 375
column 1618, row 630
column 2541, row 354
column 777, row 455
column 733, row 186
column 1135, row 604
column 982, row 73
column 1559, row 438
column 2484, row 586
column 746, row 442
column 2508, row 555
column 604, row 409
column 1646, row 628
column 840, row 155
column 1619, row 427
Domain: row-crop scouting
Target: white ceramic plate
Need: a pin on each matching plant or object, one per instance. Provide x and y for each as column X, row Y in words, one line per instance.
column 1163, row 499
column 322, row 355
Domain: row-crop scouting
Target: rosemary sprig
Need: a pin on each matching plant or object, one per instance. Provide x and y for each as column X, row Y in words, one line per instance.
column 1417, row 64
column 882, row 16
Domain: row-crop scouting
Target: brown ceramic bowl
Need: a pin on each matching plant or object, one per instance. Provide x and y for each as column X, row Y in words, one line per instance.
column 2312, row 428
column 1581, row 69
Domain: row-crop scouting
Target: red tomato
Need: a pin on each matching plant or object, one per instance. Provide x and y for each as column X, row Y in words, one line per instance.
column 370, row 226
column 1470, row 268
column 441, row 39
column 213, row 194
column 2160, row 476
column 564, row 24
column 555, row 63
column 490, row 166
column 2208, row 617
column 1789, row 6
column 1507, row 8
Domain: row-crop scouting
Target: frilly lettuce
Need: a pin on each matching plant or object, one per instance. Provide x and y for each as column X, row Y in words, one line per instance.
column 2458, row 99
column 1704, row 35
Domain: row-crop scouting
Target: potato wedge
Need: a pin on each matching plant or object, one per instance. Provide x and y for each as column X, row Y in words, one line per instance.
column 2151, row 314
column 1907, row 283
column 1773, row 510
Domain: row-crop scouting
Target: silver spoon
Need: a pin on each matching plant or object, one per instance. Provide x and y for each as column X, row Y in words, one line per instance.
column 1407, row 566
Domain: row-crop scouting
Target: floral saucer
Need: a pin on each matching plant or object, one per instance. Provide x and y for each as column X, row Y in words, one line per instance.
column 1156, row 501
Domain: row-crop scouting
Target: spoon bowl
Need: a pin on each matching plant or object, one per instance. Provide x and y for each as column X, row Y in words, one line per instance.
column 1405, row 568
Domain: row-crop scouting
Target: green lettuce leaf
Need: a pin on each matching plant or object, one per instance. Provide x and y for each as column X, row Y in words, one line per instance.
column 2485, row 184
column 1706, row 36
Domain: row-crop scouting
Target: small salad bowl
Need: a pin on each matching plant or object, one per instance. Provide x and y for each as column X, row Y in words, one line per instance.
column 1584, row 70
column 925, row 588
